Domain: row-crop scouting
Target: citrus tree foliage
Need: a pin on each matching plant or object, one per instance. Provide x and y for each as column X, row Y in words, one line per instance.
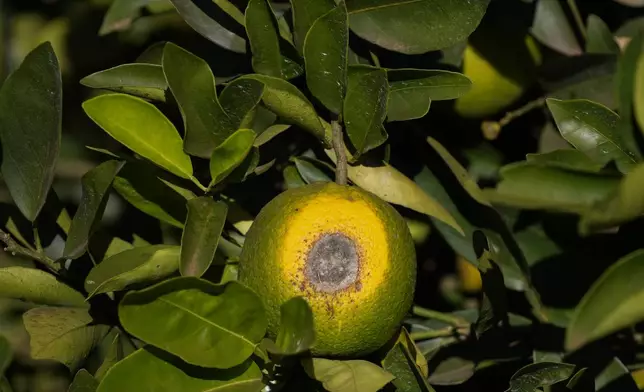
column 549, row 240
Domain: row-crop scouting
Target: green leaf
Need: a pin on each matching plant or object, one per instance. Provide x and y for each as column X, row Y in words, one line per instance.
column 600, row 39
column 120, row 15
column 292, row 177
column 112, row 357
column 6, row 354
column 305, row 13
column 66, row 335
column 193, row 86
column 136, row 265
column 626, row 86
column 83, row 382
column 5, row 386
column 200, row 237
column 146, row 367
column 402, row 362
column 529, row 186
column 542, row 374
column 573, row 160
column 203, row 24
column 212, row 325
column 394, row 187
column 96, row 185
column 269, row 133
column 261, row 27
column 230, row 154
column 624, row 205
column 142, row 128
column 612, row 303
column 34, row 285
column 638, row 92
column 239, row 100
column 326, row 57
column 296, row 334
column 30, row 129
column 285, row 100
column 615, row 377
column 141, row 186
column 365, row 108
column 592, row 129
column 494, row 304
column 550, row 26
column 309, row 171
column 415, row 27
column 411, row 91
column 347, row 376
column 143, row 80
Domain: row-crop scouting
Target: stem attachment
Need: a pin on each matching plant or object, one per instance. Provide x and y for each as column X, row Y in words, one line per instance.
column 340, row 153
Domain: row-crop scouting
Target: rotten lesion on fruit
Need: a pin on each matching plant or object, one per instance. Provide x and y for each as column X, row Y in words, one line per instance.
column 333, row 263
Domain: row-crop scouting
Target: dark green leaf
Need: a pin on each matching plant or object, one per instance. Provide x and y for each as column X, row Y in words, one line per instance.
column 6, row 354
column 638, row 92
column 5, row 386
column 142, row 128
column 309, row 171
column 626, row 85
column 288, row 102
column 83, row 382
column 96, row 185
column 401, row 362
column 246, row 168
column 573, row 160
column 326, row 57
column 296, row 333
column 411, row 91
column 615, row 377
column 30, row 129
column 600, row 38
column 136, row 265
column 213, row 325
column 203, row 24
column 365, row 108
column 261, row 27
column 530, row 186
column 551, row 27
column 292, row 177
column 415, row 27
column 305, row 13
column 347, row 376
column 494, row 304
column 120, row 15
column 141, row 186
column 200, row 237
column 66, row 335
column 153, row 54
column 230, row 154
column 592, row 129
column 113, row 355
column 269, row 133
column 34, row 285
column 612, row 303
column 143, row 369
column 239, row 100
column 143, row 80
column 542, row 374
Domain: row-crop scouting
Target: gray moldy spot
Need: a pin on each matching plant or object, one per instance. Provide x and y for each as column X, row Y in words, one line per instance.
column 333, row 263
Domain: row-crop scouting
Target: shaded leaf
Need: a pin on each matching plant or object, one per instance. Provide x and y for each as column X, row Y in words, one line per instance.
column 143, row 80
column 230, row 154
column 612, row 303
column 296, row 333
column 96, row 185
column 309, row 171
column 325, row 56
column 573, row 160
column 6, row 354
column 34, row 285
column 205, row 222
column 227, row 319
column 136, row 265
column 239, row 100
column 143, row 368
column 120, row 15
column 615, row 377
column 141, row 186
column 600, row 39
column 30, row 129
column 203, row 24
column 290, row 104
column 142, row 128
column 411, row 91
column 269, row 133
column 305, row 13
column 5, row 386
column 638, row 88
column 626, row 84
column 83, row 382
column 112, row 357
column 541, row 374
column 292, row 177
column 347, row 376
column 550, row 26
column 592, row 129
column 415, row 27
column 66, row 335
column 261, row 27
column 401, row 362
column 494, row 304
column 365, row 108
column 117, row 245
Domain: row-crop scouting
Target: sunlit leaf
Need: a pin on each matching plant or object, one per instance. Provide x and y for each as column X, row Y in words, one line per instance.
column 347, row 376
column 296, row 332
column 40, row 287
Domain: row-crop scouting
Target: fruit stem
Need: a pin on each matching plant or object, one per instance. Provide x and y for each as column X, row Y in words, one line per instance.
column 340, row 153
column 491, row 129
column 450, row 319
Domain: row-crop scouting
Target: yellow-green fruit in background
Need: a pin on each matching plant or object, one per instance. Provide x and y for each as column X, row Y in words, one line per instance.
column 500, row 75
column 346, row 251
column 469, row 275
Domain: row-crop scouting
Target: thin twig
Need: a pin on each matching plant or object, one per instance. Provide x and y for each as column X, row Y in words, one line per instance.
column 451, row 319
column 491, row 129
column 16, row 250
column 458, row 333
column 577, row 16
column 340, row 153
